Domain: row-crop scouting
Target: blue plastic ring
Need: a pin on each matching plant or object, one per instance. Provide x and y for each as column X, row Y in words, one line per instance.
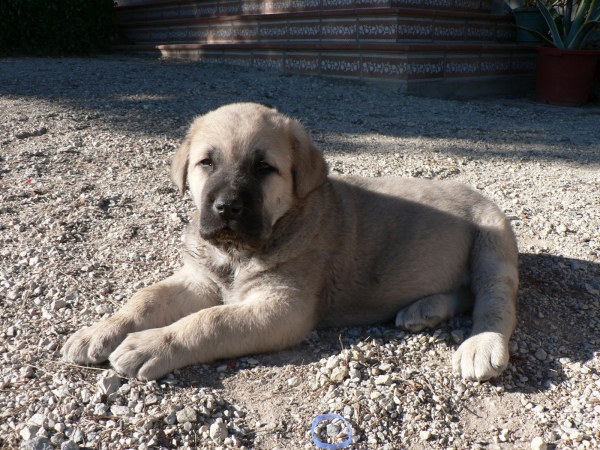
column 320, row 419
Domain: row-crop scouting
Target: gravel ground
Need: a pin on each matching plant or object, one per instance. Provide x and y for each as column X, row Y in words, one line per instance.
column 88, row 215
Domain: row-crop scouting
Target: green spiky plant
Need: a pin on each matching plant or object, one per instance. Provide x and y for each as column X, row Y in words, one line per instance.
column 573, row 32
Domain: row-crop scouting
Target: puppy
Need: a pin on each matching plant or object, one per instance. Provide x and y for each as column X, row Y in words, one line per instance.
column 277, row 248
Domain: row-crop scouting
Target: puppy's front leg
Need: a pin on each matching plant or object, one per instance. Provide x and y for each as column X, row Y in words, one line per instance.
column 263, row 322
column 155, row 306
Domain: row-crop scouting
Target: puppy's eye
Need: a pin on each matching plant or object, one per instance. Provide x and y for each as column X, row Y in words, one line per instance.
column 262, row 168
column 206, row 162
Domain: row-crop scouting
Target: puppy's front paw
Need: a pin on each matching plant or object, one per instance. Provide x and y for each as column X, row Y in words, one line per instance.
column 93, row 345
column 146, row 355
column 481, row 357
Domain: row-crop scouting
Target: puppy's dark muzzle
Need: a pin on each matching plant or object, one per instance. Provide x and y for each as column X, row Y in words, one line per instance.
column 228, row 207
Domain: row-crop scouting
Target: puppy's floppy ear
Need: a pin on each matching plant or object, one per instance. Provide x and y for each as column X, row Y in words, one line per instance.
column 179, row 165
column 309, row 168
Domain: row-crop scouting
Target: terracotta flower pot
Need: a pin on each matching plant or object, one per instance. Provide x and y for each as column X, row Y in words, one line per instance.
column 564, row 77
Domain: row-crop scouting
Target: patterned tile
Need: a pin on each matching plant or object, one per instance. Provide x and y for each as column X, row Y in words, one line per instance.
column 377, row 29
column 447, row 30
column 306, row 5
column 438, row 4
column 341, row 64
column 209, row 56
column 373, row 3
column 237, row 59
column 306, row 63
column 461, row 66
column 407, row 3
column 273, row 31
column 277, row 6
column 170, row 12
column 219, row 33
column 523, row 64
column 267, row 60
column 228, row 7
column 337, row 4
column 178, row 35
column 339, row 30
column 415, row 30
column 304, row 30
column 384, row 66
column 251, row 7
column 425, row 66
column 154, row 13
column 244, row 31
column 187, row 12
column 467, row 5
column 494, row 64
column 505, row 33
column 206, row 9
column 198, row 33
column 143, row 35
column 480, row 32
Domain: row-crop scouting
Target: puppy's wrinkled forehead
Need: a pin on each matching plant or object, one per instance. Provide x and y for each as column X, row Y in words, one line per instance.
column 238, row 132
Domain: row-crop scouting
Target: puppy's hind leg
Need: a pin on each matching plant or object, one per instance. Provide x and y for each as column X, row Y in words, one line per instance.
column 430, row 311
column 494, row 281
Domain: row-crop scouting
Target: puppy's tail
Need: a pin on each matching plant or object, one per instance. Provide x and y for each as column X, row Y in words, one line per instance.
column 494, row 273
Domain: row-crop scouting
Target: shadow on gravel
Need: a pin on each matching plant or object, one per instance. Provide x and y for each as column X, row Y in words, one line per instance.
column 161, row 98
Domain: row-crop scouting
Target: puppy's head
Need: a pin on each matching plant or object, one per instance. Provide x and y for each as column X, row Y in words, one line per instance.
column 246, row 166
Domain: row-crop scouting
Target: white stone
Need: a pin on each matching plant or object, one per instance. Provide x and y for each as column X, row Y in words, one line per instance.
column 538, row 444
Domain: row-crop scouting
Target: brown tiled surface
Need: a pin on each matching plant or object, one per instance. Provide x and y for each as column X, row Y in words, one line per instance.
column 247, row 31
column 480, row 31
column 384, row 66
column 306, row 63
column 268, row 60
column 305, row 30
column 494, row 65
column 425, row 66
column 449, row 30
column 461, row 66
column 341, row 64
column 374, row 28
column 339, row 29
column 274, row 31
column 415, row 30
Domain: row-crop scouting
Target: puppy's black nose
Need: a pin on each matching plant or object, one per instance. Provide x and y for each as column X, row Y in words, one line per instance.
column 228, row 207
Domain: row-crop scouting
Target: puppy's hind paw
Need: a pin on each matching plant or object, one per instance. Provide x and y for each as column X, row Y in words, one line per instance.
column 481, row 357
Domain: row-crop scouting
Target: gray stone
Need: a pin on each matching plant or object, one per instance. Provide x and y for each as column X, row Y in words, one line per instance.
column 69, row 445
column 37, row 443
column 339, row 374
column 118, row 410
column 37, row 420
column 109, row 383
column 58, row 304
column 218, row 431
column 187, row 414
column 171, row 418
column 29, row 432
column 541, row 354
column 538, row 444
column 458, row 336
column 383, row 380
column 151, row 399
column 333, row 429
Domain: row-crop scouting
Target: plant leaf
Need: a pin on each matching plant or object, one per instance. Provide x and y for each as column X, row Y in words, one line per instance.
column 586, row 29
column 537, row 34
column 579, row 20
column 553, row 30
